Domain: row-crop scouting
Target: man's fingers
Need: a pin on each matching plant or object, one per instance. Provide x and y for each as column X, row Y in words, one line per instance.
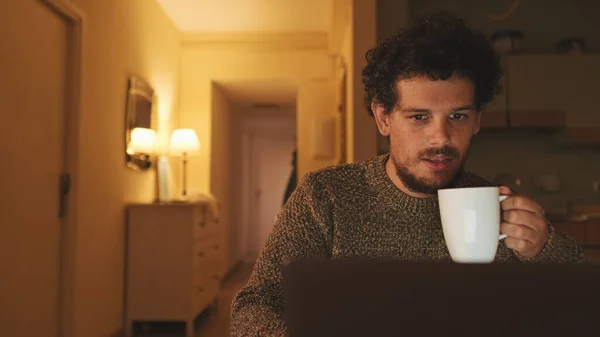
column 504, row 190
column 518, row 245
column 520, row 217
column 518, row 232
column 518, row 202
column 524, row 224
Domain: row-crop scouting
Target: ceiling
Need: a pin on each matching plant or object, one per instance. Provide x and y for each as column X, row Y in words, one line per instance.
column 252, row 93
column 273, row 16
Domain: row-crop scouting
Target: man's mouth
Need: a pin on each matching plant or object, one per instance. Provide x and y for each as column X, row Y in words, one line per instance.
column 439, row 163
column 439, row 158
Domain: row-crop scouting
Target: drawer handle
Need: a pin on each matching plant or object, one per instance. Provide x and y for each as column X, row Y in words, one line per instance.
column 215, row 277
column 216, row 247
column 200, row 289
column 201, row 254
column 201, row 224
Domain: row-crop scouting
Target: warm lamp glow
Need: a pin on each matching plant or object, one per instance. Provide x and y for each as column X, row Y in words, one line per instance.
column 142, row 141
column 184, row 141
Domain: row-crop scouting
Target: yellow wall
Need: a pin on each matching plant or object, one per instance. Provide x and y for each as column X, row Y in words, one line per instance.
column 363, row 38
column 348, row 59
column 358, row 35
column 221, row 163
column 316, row 99
column 121, row 38
column 202, row 63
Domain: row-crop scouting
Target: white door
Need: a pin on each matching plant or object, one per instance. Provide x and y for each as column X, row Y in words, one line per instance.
column 272, row 155
column 33, row 78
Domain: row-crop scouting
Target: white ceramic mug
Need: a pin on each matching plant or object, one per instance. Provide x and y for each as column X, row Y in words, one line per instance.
column 471, row 222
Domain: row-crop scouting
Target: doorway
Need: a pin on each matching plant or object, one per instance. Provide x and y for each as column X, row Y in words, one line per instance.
column 261, row 119
column 40, row 60
column 270, row 166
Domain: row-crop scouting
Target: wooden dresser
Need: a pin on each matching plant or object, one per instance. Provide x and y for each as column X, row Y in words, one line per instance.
column 173, row 262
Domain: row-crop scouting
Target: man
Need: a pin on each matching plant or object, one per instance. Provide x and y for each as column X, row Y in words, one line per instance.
column 426, row 88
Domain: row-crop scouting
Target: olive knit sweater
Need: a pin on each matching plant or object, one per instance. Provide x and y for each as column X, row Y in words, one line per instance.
column 355, row 211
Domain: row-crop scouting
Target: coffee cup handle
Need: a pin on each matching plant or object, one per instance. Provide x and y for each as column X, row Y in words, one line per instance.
column 501, row 198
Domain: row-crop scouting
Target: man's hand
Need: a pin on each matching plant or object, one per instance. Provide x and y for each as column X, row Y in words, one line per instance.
column 524, row 223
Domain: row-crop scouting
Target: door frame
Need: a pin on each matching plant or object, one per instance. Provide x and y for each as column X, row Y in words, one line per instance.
column 75, row 19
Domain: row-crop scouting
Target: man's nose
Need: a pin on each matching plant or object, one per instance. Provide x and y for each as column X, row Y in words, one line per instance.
column 439, row 132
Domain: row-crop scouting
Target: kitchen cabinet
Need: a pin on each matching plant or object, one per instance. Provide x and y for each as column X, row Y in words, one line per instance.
column 494, row 114
column 575, row 230
column 580, row 136
column 583, row 112
column 592, row 233
column 555, row 91
column 586, row 233
column 581, row 90
column 536, row 90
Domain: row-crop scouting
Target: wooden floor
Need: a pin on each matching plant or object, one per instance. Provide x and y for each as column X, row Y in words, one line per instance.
column 216, row 324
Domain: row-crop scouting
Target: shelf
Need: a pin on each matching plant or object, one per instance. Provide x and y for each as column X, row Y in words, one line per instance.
column 493, row 119
column 524, row 119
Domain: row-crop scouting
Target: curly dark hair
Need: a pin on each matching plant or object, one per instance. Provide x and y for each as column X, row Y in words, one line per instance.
column 437, row 45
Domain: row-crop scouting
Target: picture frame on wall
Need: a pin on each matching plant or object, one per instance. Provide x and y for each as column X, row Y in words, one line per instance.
column 140, row 112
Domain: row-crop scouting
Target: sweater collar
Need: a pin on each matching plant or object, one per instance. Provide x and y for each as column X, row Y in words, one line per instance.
column 393, row 197
column 390, row 193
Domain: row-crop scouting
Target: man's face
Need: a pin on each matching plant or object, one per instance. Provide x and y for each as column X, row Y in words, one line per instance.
column 430, row 131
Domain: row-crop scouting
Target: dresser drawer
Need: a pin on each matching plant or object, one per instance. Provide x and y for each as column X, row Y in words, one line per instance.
column 208, row 276
column 202, row 299
column 202, row 290
column 207, row 249
column 203, row 296
column 206, row 281
column 204, row 222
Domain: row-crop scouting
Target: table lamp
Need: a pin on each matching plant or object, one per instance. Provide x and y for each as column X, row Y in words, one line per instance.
column 184, row 143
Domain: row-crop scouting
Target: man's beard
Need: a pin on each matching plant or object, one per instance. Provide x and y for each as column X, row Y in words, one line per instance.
column 429, row 186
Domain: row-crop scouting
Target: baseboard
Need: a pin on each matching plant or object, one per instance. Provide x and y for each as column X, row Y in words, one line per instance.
column 234, row 268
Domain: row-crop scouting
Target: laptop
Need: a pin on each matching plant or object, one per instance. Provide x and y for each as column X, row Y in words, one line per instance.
column 392, row 298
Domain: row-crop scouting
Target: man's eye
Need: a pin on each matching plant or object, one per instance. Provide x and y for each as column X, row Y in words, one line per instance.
column 418, row 117
column 458, row 116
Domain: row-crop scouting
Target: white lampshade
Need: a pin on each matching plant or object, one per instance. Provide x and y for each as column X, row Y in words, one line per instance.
column 184, row 141
column 142, row 140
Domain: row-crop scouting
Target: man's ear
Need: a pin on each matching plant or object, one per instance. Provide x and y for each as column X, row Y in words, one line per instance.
column 381, row 118
column 477, row 122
